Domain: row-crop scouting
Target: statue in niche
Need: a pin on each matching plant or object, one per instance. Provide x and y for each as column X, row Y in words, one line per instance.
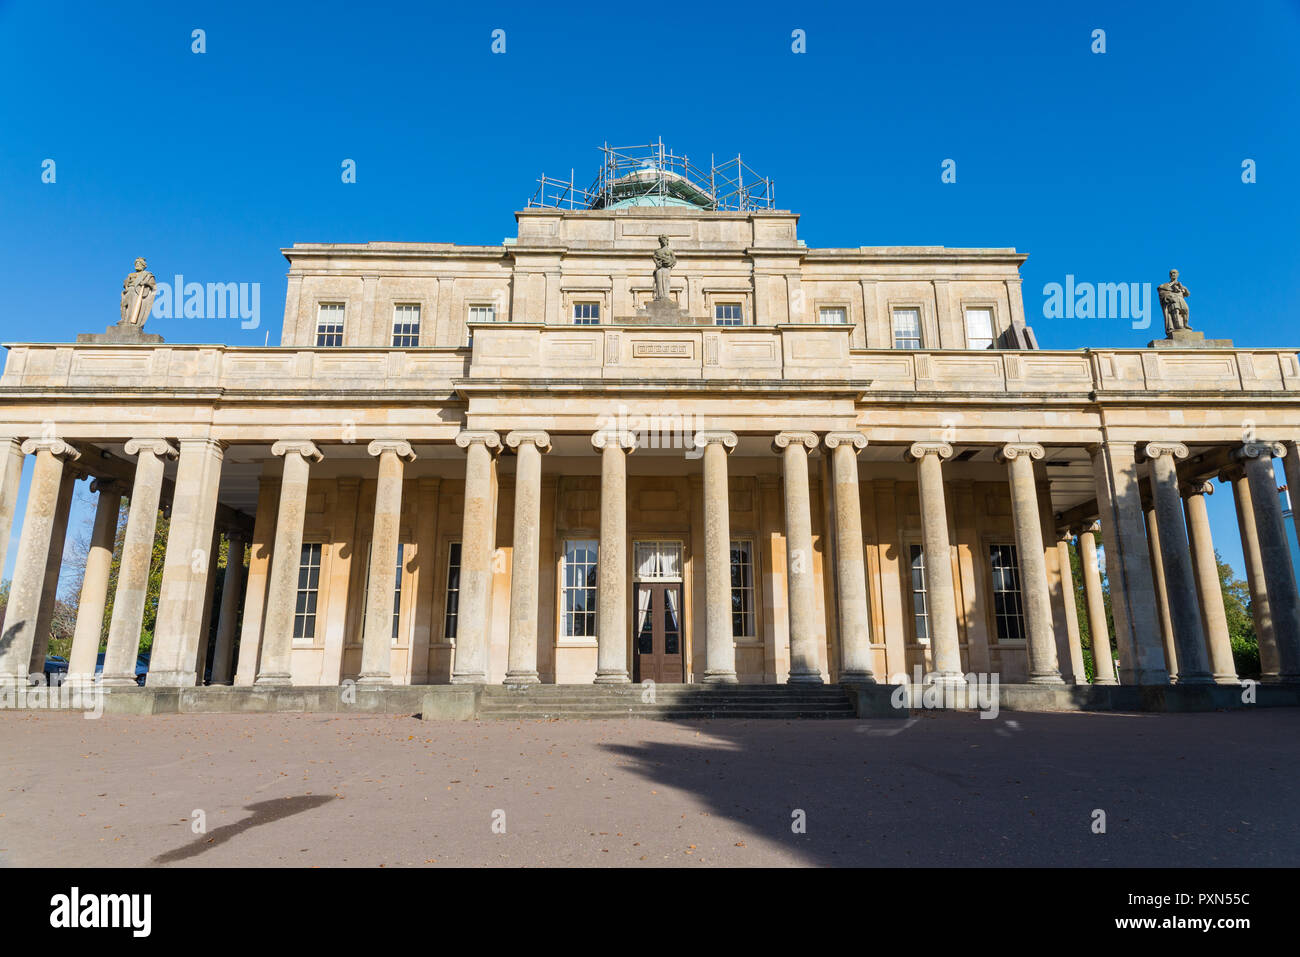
column 665, row 260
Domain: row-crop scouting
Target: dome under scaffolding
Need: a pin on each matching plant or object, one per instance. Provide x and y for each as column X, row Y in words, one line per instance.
column 653, row 175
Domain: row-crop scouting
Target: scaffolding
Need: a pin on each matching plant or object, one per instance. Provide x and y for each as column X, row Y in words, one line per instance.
column 652, row 174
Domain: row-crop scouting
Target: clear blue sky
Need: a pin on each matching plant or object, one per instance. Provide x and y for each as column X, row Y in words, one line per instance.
column 1112, row 167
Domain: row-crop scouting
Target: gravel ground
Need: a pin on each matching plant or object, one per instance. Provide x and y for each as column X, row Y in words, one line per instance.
column 937, row 789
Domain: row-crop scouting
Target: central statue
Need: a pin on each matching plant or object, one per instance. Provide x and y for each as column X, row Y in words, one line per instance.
column 665, row 260
column 138, row 290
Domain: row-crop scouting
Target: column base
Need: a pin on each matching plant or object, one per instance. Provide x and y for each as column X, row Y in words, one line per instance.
column 612, row 678
column 273, row 680
column 947, row 678
column 469, row 678
column 1105, row 681
column 119, row 681
column 1227, row 680
column 804, row 678
column 720, row 678
column 169, row 679
column 857, row 678
column 382, row 679
column 1048, row 678
column 521, row 679
column 1199, row 679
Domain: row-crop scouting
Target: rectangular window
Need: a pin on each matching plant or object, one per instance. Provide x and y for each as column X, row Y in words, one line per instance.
column 907, row 328
column 329, row 325
column 920, row 609
column 304, row 617
column 586, row 313
column 979, row 328
column 406, row 326
column 657, row 561
column 580, row 588
column 482, row 313
column 397, row 593
column 453, row 593
column 833, row 316
column 728, row 314
column 1007, row 609
column 742, row 589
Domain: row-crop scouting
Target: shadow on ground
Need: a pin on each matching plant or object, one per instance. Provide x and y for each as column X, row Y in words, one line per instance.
column 264, row 812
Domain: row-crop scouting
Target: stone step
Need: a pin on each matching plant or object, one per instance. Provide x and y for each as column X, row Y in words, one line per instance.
column 667, row 714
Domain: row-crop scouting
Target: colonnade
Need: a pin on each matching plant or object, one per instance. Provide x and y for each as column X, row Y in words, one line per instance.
column 1162, row 552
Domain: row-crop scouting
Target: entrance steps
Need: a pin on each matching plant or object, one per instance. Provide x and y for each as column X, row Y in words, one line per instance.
column 664, row 702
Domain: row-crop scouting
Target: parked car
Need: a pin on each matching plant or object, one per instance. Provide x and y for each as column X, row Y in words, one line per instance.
column 55, row 669
column 141, row 667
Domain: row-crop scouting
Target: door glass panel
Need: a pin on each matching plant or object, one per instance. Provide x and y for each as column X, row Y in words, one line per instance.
column 672, row 628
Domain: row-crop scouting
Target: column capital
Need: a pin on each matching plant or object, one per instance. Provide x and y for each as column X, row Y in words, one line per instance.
column 1250, row 450
column 110, row 485
column 1015, row 450
column 920, row 450
column 726, row 439
column 306, row 449
column 487, row 438
column 783, row 440
column 159, row 447
column 856, row 440
column 1153, row 450
column 1232, row 473
column 399, row 447
column 56, row 447
column 530, row 437
column 614, row 438
column 1199, row 487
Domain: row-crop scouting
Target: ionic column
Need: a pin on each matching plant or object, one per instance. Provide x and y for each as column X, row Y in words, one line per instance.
column 1213, row 618
column 377, row 642
column 1044, row 667
column 29, row 571
column 286, row 558
column 529, row 446
column 259, row 574
column 137, row 552
column 187, row 566
column 1128, row 564
column 941, row 596
column 53, row 567
column 850, row 567
column 1161, row 590
column 11, row 475
column 1071, row 610
column 794, row 448
column 1103, row 661
column 1260, row 612
column 470, row 660
column 1275, row 553
column 611, row 570
column 231, row 585
column 719, row 643
column 94, row 585
column 1184, row 605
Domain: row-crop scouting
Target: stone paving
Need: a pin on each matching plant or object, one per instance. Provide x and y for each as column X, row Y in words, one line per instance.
column 937, row 789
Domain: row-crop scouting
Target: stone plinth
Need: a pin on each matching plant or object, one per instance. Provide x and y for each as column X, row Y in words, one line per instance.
column 126, row 335
column 1189, row 339
column 663, row 312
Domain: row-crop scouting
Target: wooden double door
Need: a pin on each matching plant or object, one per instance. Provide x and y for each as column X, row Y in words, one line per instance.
column 657, row 633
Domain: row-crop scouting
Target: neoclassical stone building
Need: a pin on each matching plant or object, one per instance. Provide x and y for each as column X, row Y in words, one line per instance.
column 511, row 464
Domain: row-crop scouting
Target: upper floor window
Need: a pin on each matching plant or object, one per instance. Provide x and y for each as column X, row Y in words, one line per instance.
column 979, row 328
column 482, row 313
column 329, row 325
column 833, row 316
column 742, row 589
column 1008, row 611
column 728, row 314
column 406, row 325
column 579, row 606
column 586, row 313
column 907, row 328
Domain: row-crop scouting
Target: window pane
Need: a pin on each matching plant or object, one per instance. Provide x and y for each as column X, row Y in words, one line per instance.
column 907, row 328
column 979, row 328
column 832, row 315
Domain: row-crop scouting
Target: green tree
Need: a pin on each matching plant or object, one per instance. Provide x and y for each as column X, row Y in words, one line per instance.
column 1241, row 626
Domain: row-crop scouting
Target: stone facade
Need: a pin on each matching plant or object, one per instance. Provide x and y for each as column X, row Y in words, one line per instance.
column 535, row 484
